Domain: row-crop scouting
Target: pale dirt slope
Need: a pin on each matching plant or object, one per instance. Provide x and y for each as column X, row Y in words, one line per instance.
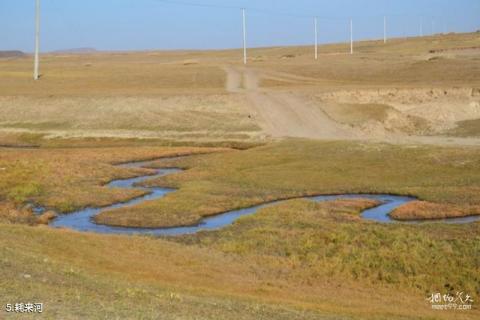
column 409, row 116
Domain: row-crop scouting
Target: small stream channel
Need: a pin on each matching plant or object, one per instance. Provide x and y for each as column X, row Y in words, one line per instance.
column 82, row 220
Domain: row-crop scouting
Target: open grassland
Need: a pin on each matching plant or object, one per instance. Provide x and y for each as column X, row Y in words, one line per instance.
column 409, row 62
column 194, row 95
column 215, row 183
column 22, row 140
column 299, row 260
column 204, row 117
column 110, row 74
column 123, row 95
column 414, row 62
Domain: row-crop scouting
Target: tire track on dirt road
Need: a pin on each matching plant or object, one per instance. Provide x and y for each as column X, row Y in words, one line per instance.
column 283, row 114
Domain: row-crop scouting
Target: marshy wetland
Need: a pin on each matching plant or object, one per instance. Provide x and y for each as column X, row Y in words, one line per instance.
column 83, row 220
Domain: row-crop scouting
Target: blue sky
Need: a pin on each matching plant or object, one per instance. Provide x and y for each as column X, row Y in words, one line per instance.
column 153, row 24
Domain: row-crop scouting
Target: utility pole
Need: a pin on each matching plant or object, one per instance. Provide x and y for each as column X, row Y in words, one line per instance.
column 244, row 37
column 351, row 36
column 433, row 27
column 421, row 26
column 316, row 38
column 36, row 74
column 385, row 29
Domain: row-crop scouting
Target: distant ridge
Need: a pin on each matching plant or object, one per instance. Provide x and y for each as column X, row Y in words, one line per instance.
column 12, row 54
column 76, row 51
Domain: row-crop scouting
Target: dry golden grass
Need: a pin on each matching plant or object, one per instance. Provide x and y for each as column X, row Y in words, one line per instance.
column 330, row 240
column 423, row 210
column 399, row 63
column 376, row 117
column 212, row 117
column 354, row 114
column 19, row 140
column 109, row 74
column 119, row 95
column 9, row 213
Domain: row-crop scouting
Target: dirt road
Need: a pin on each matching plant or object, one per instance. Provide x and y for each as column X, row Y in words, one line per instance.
column 283, row 114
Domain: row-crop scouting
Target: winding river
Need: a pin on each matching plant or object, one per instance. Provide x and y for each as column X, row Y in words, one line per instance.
column 82, row 220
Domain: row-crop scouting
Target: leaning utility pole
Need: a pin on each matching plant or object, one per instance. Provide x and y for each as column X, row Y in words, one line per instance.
column 351, row 36
column 385, row 29
column 316, row 38
column 244, row 37
column 36, row 74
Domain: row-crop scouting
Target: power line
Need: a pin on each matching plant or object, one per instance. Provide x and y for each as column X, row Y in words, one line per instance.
column 281, row 13
column 218, row 6
column 196, row 4
column 250, row 10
